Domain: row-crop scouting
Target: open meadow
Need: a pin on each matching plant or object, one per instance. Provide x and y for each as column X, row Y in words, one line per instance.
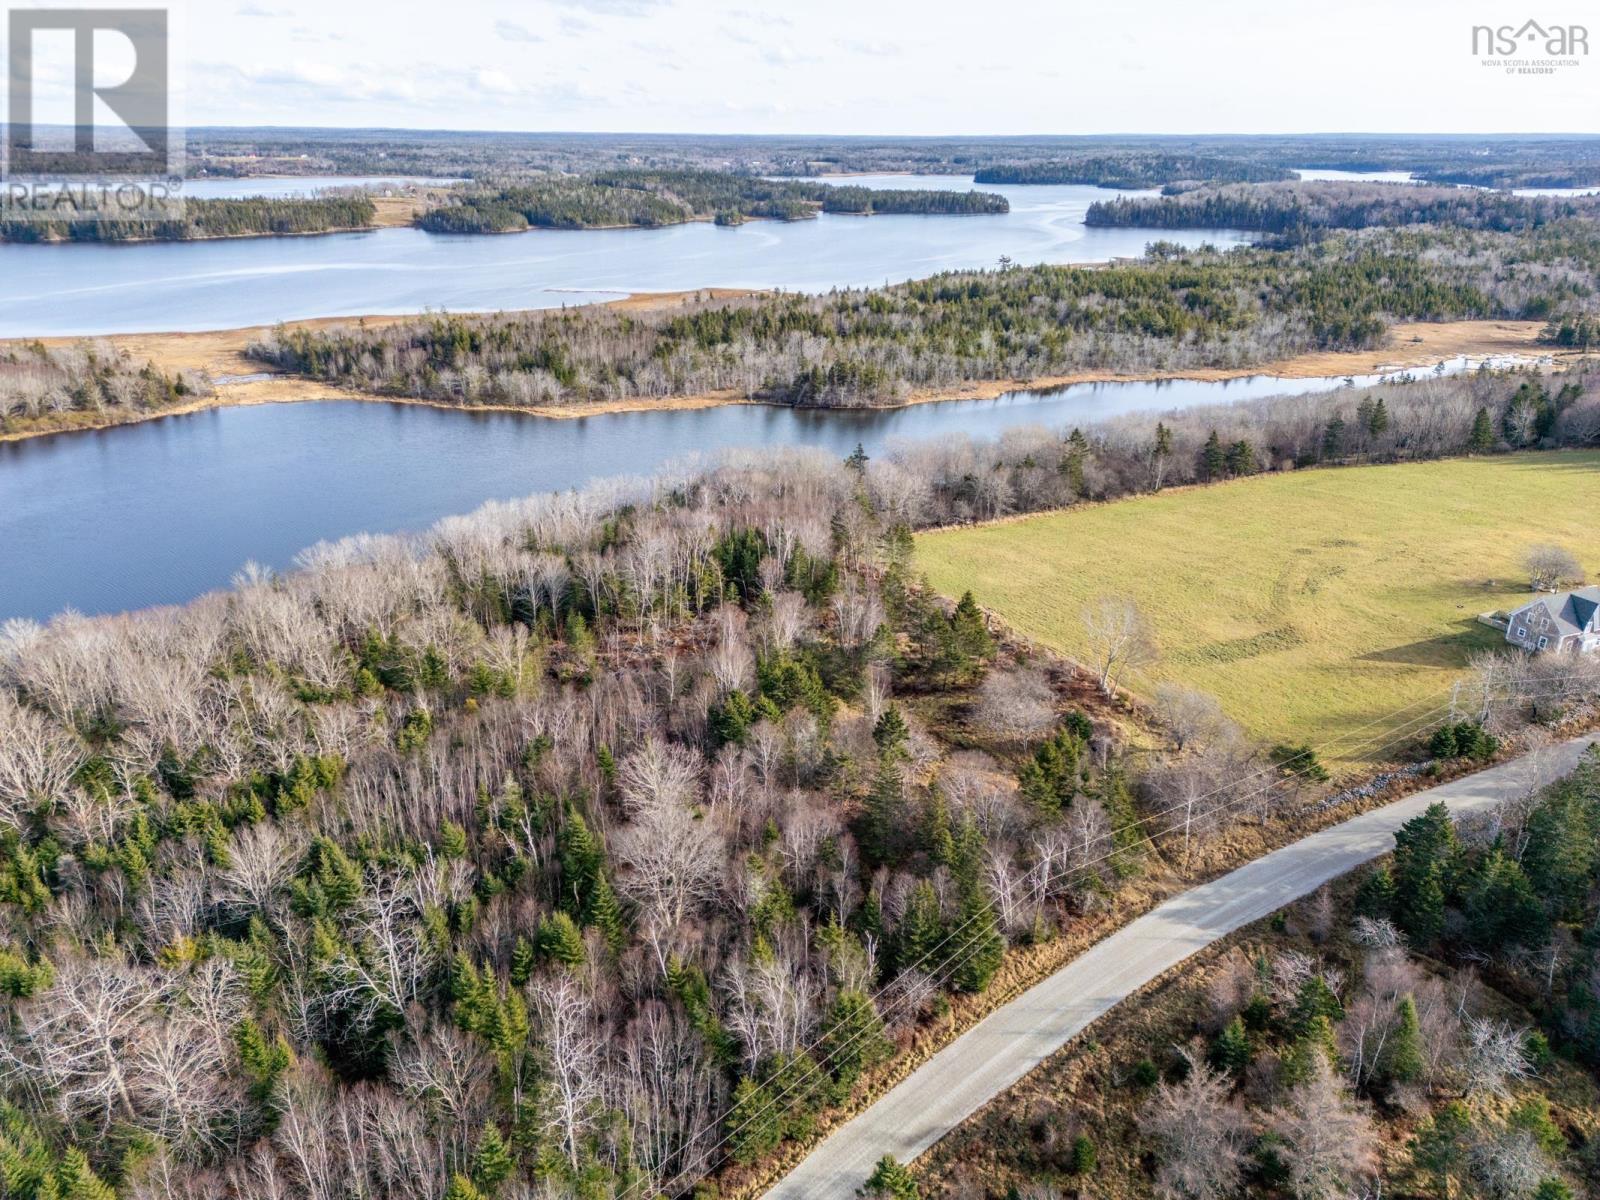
column 1312, row 605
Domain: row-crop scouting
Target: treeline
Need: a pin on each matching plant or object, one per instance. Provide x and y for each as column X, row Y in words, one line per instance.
column 648, row 198
column 1172, row 310
column 1301, row 209
column 207, row 219
column 43, row 387
column 1134, row 170
column 1492, row 161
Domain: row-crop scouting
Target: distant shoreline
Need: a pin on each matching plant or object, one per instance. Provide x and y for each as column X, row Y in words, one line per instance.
column 221, row 354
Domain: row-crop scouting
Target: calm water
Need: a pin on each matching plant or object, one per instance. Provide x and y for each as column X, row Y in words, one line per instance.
column 87, row 289
column 157, row 513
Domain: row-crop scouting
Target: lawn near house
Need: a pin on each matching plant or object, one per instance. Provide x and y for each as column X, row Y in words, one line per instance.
column 1313, row 604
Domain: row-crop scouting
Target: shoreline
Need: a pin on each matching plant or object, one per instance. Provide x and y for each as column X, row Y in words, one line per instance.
column 221, row 354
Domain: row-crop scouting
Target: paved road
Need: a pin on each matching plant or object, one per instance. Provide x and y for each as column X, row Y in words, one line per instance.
column 1014, row 1039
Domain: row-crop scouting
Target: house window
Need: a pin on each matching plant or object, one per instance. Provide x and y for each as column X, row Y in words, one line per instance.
column 1543, row 642
column 1521, row 632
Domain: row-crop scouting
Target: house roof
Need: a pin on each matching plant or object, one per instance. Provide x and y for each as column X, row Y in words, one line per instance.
column 1572, row 612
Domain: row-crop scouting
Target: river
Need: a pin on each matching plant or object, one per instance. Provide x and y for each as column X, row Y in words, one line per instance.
column 159, row 512
column 147, row 287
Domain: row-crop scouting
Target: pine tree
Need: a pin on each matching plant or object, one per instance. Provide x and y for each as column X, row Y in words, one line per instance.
column 890, row 732
column 1482, row 439
column 1314, row 1002
column 972, row 637
column 523, row 959
column 1213, row 459
column 1241, row 458
column 76, row 1180
column 755, row 1123
column 461, row 1188
column 978, row 946
column 492, row 1163
column 1333, row 439
column 1231, row 1051
column 1425, row 856
column 560, row 941
column 882, row 819
column 853, row 1040
column 1072, row 465
column 891, row 1180
column 937, row 838
column 1083, row 1159
column 1502, row 910
column 1378, row 422
column 1375, row 896
column 919, row 936
column 1402, row 1056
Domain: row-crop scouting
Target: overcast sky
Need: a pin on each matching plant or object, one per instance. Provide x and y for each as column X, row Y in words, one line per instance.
column 876, row 66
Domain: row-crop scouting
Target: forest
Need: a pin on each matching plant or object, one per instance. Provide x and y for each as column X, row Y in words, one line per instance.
column 650, row 198
column 1484, row 160
column 597, row 842
column 89, row 383
column 1426, row 1029
column 1173, row 309
column 1306, row 209
column 251, row 217
column 1135, row 170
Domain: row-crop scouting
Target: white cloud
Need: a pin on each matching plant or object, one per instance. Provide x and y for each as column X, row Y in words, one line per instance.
column 615, row 8
column 256, row 10
column 510, row 31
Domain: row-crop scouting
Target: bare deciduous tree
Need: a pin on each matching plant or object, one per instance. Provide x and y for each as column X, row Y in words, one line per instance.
column 1551, row 567
column 1200, row 1134
column 1119, row 640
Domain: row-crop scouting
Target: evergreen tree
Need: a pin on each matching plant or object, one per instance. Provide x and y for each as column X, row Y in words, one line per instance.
column 1213, row 459
column 971, row 632
column 1333, row 439
column 1083, row 1158
column 890, row 732
column 854, row 1039
column 1231, row 1051
column 1502, row 910
column 1241, row 458
column 560, row 941
column 920, row 933
column 1482, row 438
column 1402, row 1057
column 461, row 1188
column 858, row 460
column 1378, row 421
column 979, row 947
column 492, row 1163
column 1439, row 1149
column 882, row 820
column 76, row 1180
column 755, row 1122
column 892, row 1181
column 1314, row 1002
column 1425, row 856
column 1072, row 466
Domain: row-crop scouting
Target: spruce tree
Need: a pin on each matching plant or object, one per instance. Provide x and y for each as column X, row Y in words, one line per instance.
column 1482, row 438
column 1213, row 459
column 559, row 940
column 1083, row 1158
column 492, row 1163
column 1333, row 439
column 972, row 637
column 892, row 1181
column 1402, row 1057
column 853, row 1039
column 978, row 946
column 755, row 1123
column 1230, row 1051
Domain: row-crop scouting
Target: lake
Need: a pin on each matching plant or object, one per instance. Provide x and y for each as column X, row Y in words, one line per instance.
column 163, row 286
column 159, row 512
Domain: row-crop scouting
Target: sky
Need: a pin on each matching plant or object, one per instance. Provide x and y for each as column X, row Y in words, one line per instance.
column 876, row 66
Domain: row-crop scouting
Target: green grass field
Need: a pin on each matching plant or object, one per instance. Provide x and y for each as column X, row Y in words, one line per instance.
column 1312, row 605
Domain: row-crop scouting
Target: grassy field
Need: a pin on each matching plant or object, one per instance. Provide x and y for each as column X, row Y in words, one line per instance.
column 1312, row 605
